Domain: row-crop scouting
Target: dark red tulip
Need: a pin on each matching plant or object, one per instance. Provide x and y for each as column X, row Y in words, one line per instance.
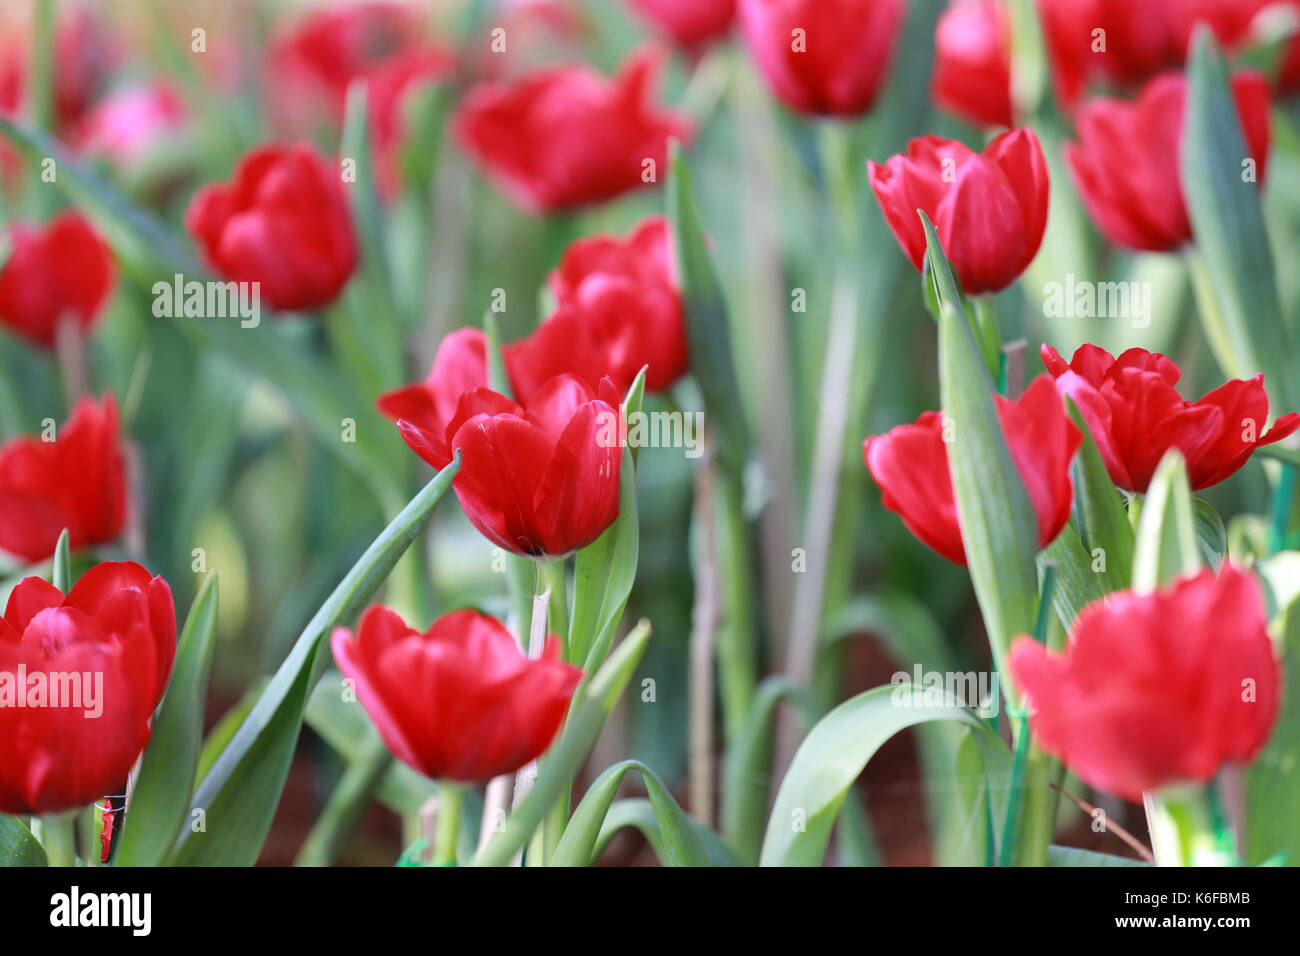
column 1136, row 415
column 283, row 222
column 692, row 24
column 460, row 701
column 1155, row 690
column 989, row 209
column 538, row 479
column 80, row 677
column 618, row 309
column 1126, row 162
column 428, row 407
column 827, row 57
column 569, row 136
column 910, row 464
column 972, row 62
column 77, row 481
column 61, row 272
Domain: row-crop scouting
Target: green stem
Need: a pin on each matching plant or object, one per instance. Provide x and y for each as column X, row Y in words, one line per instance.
column 554, row 577
column 345, row 806
column 737, row 670
column 987, row 334
column 1186, row 830
column 1282, row 497
column 451, row 797
column 58, row 834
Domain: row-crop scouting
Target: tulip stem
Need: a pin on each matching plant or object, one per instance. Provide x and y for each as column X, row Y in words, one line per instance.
column 1187, row 828
column 451, row 797
column 58, row 835
column 553, row 578
column 987, row 334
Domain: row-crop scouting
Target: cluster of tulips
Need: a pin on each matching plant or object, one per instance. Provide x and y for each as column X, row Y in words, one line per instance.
column 1141, row 648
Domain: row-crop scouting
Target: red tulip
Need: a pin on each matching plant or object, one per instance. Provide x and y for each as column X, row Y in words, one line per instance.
column 1159, row 689
column 283, row 222
column 80, row 677
column 63, row 271
column 428, row 407
column 972, row 62
column 77, row 482
column 538, row 479
column 910, row 464
column 1126, row 162
column 568, row 136
column 828, row 57
column 387, row 86
column 989, row 208
column 1135, row 415
column 692, row 24
column 127, row 126
column 460, row 701
column 619, row 308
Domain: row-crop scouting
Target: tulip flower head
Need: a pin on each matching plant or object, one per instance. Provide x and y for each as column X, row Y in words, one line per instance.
column 461, row 701
column 1156, row 690
column 972, row 62
column 76, row 481
column 910, row 464
column 568, row 137
column 283, row 222
column 692, row 24
column 80, row 676
column 989, row 209
column 63, row 272
column 1136, row 415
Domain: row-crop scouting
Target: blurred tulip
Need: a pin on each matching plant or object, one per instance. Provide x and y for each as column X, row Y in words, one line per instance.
column 568, row 136
column 76, row 481
column 1135, row 415
column 1126, row 162
column 538, row 479
column 972, row 62
column 80, row 677
column 460, row 701
column 618, row 309
column 282, row 222
column 910, row 464
column 1155, row 690
column 692, row 24
column 989, row 208
column 387, row 88
column 827, row 57
column 64, row 271
column 128, row 125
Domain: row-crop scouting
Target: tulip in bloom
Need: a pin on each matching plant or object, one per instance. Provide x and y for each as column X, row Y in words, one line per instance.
column 77, row 482
column 538, row 479
column 80, row 676
column 1126, row 162
column 1155, row 690
column 693, row 24
column 989, row 209
column 61, row 272
column 827, row 57
column 283, row 222
column 461, row 701
column 619, row 309
column 972, row 62
column 910, row 464
column 1136, row 415
column 568, row 136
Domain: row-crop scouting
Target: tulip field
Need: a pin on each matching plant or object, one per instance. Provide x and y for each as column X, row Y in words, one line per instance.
column 633, row 433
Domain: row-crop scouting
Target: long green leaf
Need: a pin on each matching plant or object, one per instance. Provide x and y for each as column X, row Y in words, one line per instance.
column 640, row 814
column 161, row 796
column 17, row 845
column 834, row 754
column 680, row 843
column 1104, row 528
column 239, row 795
column 1072, row 856
column 1166, row 546
column 1273, row 780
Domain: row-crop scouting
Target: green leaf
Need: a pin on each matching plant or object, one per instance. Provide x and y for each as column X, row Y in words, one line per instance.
column 640, row 814
column 1232, row 263
column 1211, row 536
column 834, row 754
column 17, row 845
column 1077, row 584
column 998, row 524
column 1166, row 546
column 592, row 706
column 1072, row 856
column 708, row 329
column 61, row 566
column 680, row 842
column 161, row 797
column 1273, row 780
column 240, row 793
column 1103, row 523
column 605, row 570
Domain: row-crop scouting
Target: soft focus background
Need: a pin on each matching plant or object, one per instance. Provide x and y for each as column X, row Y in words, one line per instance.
column 225, row 463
